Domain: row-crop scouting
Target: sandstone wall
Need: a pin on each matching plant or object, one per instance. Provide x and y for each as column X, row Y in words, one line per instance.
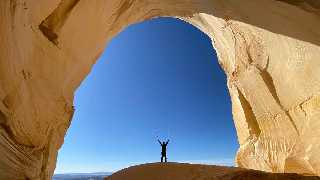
column 269, row 50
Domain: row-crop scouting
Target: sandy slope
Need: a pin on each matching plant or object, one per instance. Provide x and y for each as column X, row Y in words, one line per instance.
column 177, row 171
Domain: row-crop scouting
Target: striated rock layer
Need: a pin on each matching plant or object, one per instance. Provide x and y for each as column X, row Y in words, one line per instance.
column 269, row 50
column 176, row 171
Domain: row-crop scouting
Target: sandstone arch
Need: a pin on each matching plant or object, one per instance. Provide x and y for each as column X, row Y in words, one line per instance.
column 269, row 50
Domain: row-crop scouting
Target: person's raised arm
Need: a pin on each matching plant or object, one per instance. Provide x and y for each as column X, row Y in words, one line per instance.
column 159, row 142
column 167, row 141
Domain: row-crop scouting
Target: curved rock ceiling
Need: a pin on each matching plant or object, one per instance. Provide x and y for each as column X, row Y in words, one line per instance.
column 269, row 50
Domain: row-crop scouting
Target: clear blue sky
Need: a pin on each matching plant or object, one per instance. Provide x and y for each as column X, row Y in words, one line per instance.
column 159, row 78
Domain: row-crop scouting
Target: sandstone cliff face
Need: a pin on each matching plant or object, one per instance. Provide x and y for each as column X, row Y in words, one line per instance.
column 269, row 50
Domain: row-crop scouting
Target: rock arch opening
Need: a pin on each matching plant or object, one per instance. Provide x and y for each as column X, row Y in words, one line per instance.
column 269, row 51
column 155, row 80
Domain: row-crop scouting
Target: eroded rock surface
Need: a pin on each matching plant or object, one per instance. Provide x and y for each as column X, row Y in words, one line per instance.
column 268, row 49
column 178, row 171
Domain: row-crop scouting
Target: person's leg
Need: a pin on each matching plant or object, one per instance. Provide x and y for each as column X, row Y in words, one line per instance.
column 161, row 158
column 165, row 158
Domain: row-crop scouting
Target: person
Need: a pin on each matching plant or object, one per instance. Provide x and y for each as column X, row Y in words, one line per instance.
column 163, row 150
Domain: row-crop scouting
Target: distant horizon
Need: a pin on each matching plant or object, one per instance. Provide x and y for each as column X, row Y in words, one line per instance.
column 200, row 162
column 79, row 173
column 156, row 79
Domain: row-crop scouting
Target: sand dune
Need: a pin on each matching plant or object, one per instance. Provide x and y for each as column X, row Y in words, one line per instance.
column 178, row 171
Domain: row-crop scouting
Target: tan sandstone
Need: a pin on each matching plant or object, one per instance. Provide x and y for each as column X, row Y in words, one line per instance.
column 179, row 171
column 269, row 50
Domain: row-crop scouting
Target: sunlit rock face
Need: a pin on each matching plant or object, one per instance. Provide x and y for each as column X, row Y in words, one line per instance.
column 268, row 49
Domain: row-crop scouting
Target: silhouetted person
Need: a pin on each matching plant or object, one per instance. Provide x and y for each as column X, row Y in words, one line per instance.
column 163, row 150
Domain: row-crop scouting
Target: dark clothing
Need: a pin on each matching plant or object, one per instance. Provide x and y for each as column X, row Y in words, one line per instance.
column 163, row 150
column 164, row 157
